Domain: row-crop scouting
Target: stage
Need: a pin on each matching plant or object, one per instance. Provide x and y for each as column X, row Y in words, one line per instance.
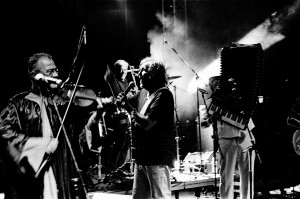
column 192, row 185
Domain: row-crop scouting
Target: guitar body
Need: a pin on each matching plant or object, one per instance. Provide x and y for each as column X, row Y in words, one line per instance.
column 296, row 141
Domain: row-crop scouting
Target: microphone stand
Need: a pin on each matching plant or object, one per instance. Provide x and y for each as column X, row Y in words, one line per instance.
column 82, row 40
column 199, row 143
column 177, row 138
column 215, row 136
column 187, row 64
column 199, row 147
column 249, row 151
column 216, row 145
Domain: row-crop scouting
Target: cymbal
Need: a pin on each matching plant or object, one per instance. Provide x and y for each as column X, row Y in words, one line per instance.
column 173, row 77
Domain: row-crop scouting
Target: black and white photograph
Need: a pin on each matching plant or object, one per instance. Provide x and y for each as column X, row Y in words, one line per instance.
column 150, row 99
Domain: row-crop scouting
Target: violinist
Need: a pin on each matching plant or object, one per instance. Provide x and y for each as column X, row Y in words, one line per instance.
column 28, row 130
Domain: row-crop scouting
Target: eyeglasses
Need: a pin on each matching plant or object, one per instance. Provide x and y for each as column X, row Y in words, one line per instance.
column 52, row 70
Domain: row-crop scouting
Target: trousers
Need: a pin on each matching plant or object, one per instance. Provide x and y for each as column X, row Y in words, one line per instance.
column 232, row 154
column 151, row 182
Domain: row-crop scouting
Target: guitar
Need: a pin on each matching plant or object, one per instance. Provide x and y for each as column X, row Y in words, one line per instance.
column 296, row 141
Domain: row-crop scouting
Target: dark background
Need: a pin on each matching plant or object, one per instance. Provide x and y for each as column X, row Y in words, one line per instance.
column 119, row 29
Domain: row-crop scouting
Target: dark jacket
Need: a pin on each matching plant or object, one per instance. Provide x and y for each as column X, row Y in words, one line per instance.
column 19, row 121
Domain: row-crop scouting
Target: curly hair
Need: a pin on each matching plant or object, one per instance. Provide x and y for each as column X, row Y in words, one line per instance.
column 157, row 72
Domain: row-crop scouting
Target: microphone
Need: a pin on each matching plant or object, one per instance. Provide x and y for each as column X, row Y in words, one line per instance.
column 47, row 79
column 202, row 91
column 133, row 70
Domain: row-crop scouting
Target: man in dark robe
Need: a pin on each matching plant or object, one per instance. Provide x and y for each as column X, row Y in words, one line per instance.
column 29, row 125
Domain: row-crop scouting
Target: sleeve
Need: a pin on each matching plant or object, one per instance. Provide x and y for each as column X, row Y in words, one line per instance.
column 25, row 153
column 204, row 120
column 161, row 105
column 12, row 138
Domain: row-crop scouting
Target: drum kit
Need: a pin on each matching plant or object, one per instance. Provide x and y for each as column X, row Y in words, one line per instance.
column 117, row 150
column 116, row 160
column 118, row 126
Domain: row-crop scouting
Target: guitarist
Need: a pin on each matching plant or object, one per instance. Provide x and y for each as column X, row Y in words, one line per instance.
column 233, row 149
column 152, row 110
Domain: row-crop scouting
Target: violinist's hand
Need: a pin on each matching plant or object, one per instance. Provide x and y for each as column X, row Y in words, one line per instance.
column 103, row 101
column 52, row 146
column 107, row 100
column 102, row 104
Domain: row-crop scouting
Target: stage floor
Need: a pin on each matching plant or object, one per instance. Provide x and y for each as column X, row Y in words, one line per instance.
column 183, row 195
column 191, row 195
column 291, row 193
column 184, row 187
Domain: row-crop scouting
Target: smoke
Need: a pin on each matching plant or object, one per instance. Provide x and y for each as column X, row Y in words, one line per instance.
column 170, row 45
column 274, row 28
column 197, row 59
column 182, row 56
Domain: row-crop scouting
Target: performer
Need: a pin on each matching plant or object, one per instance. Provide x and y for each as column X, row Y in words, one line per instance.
column 28, row 129
column 234, row 148
column 115, row 154
column 117, row 78
column 152, row 109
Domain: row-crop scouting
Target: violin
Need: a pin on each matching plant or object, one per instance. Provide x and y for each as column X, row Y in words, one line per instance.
column 83, row 96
